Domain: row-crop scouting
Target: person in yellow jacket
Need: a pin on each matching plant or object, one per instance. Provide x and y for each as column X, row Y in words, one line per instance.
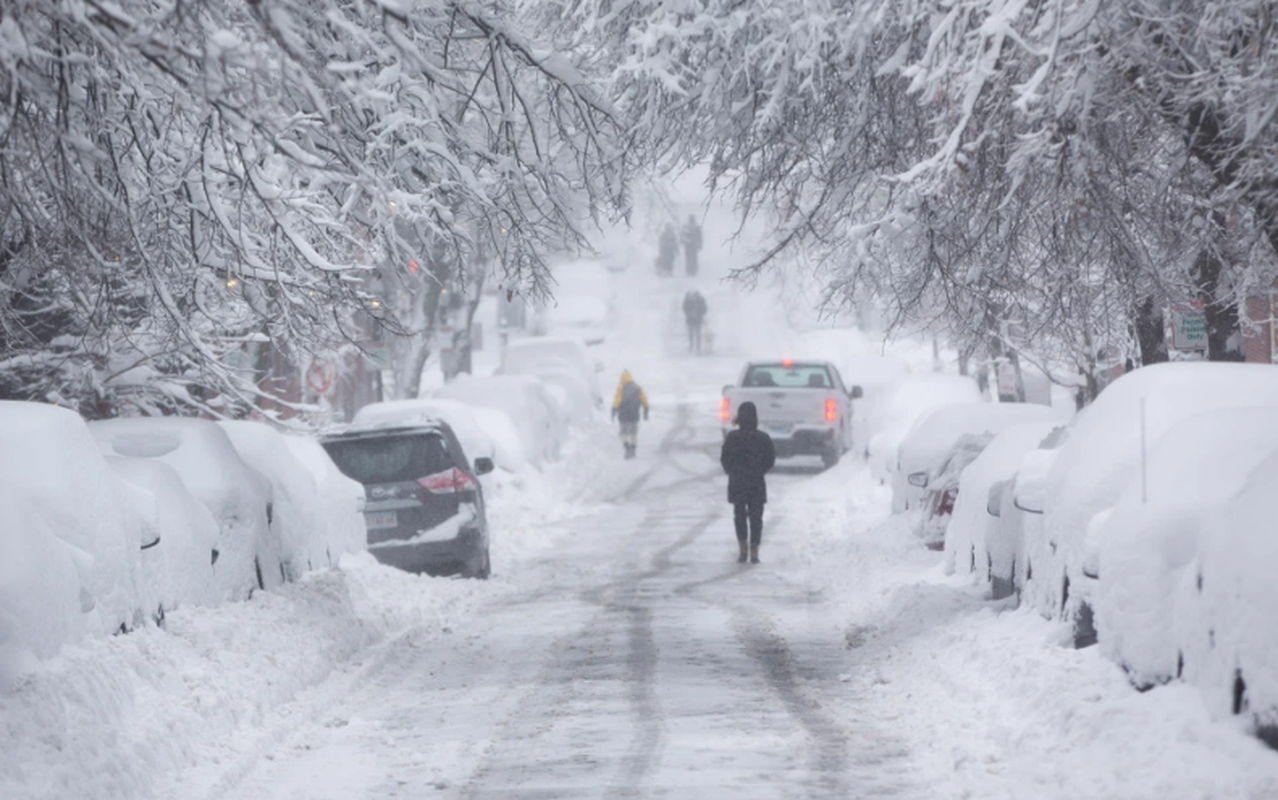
column 626, row 404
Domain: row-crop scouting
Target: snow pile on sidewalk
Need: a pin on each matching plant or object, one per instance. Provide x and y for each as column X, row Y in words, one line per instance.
column 109, row 716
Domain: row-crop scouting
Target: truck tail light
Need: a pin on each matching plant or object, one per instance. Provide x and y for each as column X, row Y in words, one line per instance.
column 447, row 482
column 725, row 410
column 831, row 409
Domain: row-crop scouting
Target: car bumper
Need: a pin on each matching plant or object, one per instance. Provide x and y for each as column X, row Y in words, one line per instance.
column 802, row 442
column 463, row 554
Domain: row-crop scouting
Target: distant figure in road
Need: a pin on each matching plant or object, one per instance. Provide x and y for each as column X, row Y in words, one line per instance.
column 667, row 250
column 694, row 313
column 691, row 235
column 747, row 456
column 626, row 405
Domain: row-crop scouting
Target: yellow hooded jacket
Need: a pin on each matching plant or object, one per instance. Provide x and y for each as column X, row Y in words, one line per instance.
column 619, row 396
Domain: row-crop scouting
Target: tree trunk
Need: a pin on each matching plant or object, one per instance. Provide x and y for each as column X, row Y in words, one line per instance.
column 1222, row 317
column 1151, row 332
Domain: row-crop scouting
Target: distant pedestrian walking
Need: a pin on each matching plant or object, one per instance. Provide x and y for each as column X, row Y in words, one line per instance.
column 747, row 456
column 694, row 314
column 691, row 236
column 667, row 250
column 628, row 401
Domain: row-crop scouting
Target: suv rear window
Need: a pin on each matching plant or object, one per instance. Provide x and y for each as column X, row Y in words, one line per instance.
column 800, row 376
column 388, row 459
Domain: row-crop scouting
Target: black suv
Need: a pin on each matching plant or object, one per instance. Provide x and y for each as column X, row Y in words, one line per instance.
column 425, row 507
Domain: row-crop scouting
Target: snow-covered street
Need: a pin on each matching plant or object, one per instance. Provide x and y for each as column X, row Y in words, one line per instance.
column 620, row 651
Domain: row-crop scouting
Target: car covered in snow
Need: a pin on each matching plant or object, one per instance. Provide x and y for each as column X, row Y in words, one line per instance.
column 538, row 415
column 425, row 505
column 932, row 439
column 556, row 356
column 1104, row 452
column 1187, row 561
column 71, row 536
column 900, row 405
column 803, row 405
column 239, row 498
column 984, row 535
column 313, row 530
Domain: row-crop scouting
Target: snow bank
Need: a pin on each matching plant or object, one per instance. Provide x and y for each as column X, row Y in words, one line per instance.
column 121, row 716
column 1101, row 454
column 235, row 494
column 48, row 458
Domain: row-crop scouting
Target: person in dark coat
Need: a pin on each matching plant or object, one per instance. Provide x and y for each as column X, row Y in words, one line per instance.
column 747, row 456
column 694, row 313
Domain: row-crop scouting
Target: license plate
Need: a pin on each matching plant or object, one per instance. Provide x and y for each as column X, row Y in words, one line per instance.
column 376, row 520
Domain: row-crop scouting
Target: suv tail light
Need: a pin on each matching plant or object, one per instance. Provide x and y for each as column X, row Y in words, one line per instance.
column 725, row 410
column 448, row 482
column 831, row 409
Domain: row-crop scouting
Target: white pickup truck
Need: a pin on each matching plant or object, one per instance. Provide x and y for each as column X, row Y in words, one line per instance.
column 803, row 405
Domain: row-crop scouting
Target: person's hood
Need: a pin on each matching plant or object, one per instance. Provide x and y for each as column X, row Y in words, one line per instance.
column 747, row 417
column 626, row 377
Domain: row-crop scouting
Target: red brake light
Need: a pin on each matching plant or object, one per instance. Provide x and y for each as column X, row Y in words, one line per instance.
column 787, row 362
column 448, row 482
column 725, row 410
column 831, row 409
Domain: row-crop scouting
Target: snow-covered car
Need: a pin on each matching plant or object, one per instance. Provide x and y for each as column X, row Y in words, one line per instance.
column 340, row 502
column 482, row 431
column 581, row 316
column 238, row 496
column 525, row 400
column 933, row 436
column 573, row 391
column 181, row 534
column 984, row 532
column 1186, row 586
column 552, row 353
column 68, row 490
column 425, row 506
column 309, row 539
column 46, row 599
column 942, row 490
column 1101, row 455
column 803, row 405
column 895, row 411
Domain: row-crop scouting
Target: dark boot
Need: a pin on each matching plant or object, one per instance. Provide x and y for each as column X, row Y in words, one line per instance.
column 741, row 559
column 754, row 554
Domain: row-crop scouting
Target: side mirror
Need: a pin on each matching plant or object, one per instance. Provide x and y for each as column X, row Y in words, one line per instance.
column 857, row 393
column 1022, row 506
column 994, row 503
column 483, row 465
column 918, row 479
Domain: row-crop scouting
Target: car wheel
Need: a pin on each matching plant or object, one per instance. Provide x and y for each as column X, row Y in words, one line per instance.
column 484, row 569
column 830, row 457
